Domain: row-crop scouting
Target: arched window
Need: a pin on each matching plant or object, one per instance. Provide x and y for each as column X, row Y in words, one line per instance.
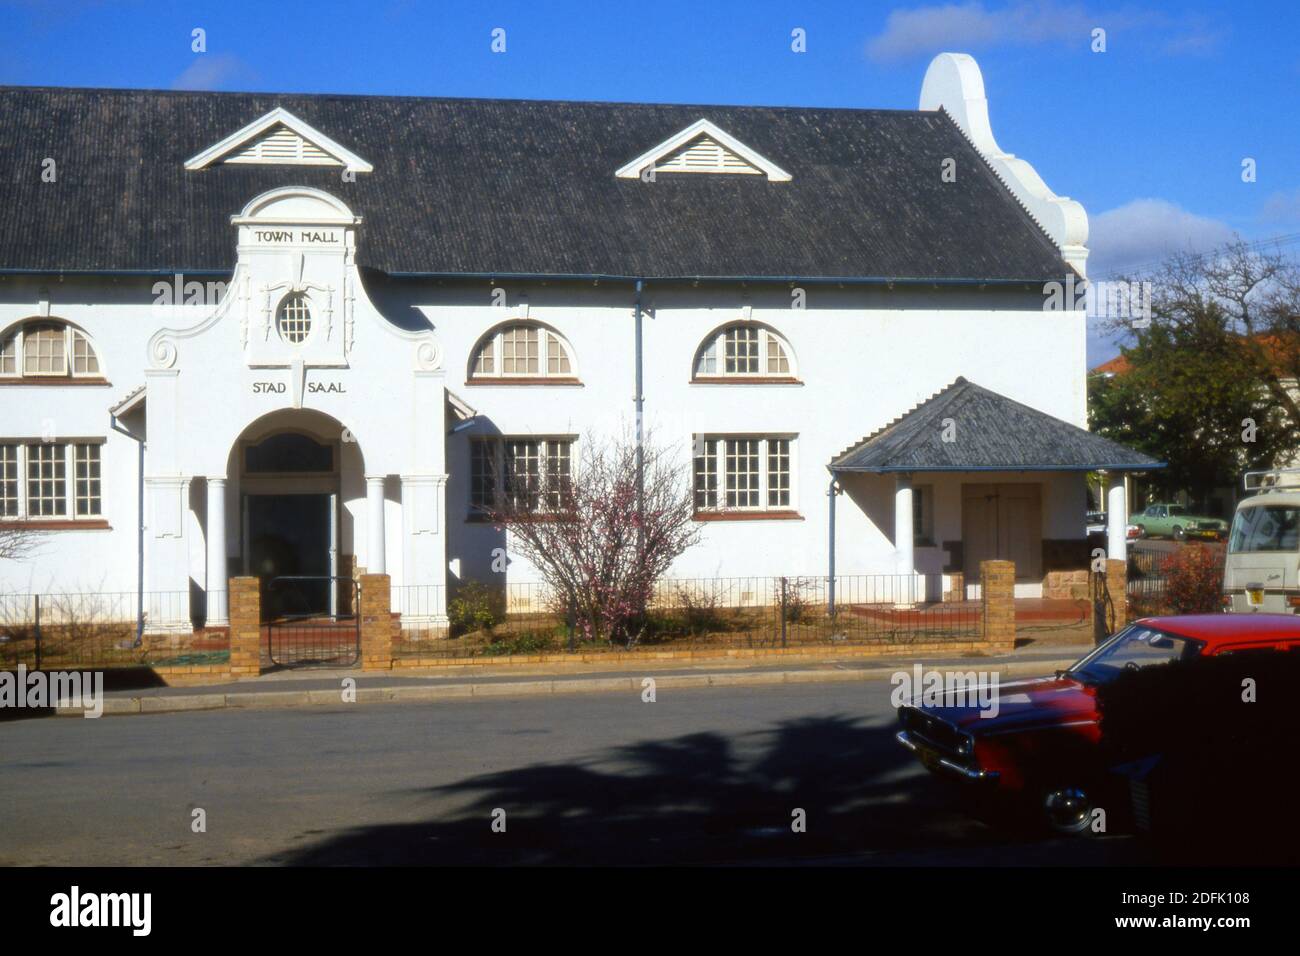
column 522, row 351
column 47, row 349
column 294, row 320
column 744, row 350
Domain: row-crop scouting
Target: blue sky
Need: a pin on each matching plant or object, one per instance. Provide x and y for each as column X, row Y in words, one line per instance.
column 1149, row 135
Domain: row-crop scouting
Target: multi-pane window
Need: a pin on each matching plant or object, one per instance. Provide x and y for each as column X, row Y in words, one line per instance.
column 741, row 473
column 40, row 480
column 744, row 473
column 87, row 479
column 741, row 343
column 9, row 481
column 483, row 473
column 778, row 473
column 520, row 473
column 743, row 351
column 47, row 489
column 519, row 351
column 522, row 350
column 558, row 474
column 47, row 349
column 706, row 474
column 294, row 321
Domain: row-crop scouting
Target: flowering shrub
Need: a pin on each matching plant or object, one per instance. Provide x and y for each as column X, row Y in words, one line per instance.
column 602, row 537
column 1194, row 580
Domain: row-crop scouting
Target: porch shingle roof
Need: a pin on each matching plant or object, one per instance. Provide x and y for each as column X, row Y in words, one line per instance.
column 990, row 433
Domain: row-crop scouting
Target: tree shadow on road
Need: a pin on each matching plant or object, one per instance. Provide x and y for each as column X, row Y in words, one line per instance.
column 697, row 798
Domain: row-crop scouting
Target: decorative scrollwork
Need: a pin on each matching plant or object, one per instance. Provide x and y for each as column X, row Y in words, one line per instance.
column 162, row 352
column 428, row 356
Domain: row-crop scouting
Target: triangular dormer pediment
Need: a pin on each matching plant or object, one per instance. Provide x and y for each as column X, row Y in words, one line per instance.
column 703, row 148
column 279, row 139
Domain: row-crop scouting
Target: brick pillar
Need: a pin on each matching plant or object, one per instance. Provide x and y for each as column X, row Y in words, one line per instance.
column 376, row 623
column 957, row 588
column 245, row 627
column 998, row 579
column 1117, row 586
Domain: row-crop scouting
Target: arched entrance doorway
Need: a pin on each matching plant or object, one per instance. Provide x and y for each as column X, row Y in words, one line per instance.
column 290, row 518
column 296, row 490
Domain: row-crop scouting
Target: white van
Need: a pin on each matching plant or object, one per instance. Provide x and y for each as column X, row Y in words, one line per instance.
column 1262, row 570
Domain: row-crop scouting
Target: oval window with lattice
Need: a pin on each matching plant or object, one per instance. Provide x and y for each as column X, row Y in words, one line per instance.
column 294, row 321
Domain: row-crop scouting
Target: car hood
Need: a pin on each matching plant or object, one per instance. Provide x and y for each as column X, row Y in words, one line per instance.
column 1016, row 703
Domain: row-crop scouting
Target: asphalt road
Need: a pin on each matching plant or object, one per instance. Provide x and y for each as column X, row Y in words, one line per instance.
column 700, row 776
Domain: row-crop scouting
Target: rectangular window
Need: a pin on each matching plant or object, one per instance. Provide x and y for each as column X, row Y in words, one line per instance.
column 47, row 492
column 529, row 473
column 778, row 473
column 558, row 474
column 87, row 493
column 706, row 474
column 742, row 350
column 519, row 351
column 757, row 473
column 923, row 515
column 522, row 474
column 8, row 481
column 44, row 351
column 741, row 473
column 483, row 473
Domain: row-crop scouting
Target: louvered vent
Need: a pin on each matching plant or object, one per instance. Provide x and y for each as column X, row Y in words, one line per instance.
column 706, row 155
column 283, row 145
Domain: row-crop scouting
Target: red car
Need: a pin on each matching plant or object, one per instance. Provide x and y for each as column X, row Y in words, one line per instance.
column 1041, row 745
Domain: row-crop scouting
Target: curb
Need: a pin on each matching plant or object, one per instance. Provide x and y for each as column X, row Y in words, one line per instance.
column 272, row 700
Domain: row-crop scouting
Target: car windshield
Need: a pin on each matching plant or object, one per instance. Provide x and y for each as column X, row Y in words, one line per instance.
column 1133, row 648
column 1265, row 528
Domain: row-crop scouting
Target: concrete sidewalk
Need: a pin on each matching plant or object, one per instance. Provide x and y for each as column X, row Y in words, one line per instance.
column 320, row 688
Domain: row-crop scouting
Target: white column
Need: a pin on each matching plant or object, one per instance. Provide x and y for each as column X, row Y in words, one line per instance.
column 218, row 610
column 1117, row 519
column 375, row 561
column 905, row 561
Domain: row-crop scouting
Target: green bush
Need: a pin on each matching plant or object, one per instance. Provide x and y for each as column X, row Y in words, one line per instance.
column 476, row 607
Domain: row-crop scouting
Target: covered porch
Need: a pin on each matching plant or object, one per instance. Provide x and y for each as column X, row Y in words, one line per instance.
column 971, row 475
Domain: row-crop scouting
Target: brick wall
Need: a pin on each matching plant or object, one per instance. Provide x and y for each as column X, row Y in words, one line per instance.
column 1117, row 585
column 999, row 589
column 245, row 627
column 376, row 622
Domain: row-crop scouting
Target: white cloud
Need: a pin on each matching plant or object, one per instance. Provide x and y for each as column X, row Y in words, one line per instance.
column 214, row 71
column 925, row 31
column 1139, row 234
column 1281, row 207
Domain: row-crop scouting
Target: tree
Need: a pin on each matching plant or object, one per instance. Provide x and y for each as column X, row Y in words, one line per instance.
column 1211, row 384
column 597, row 548
column 16, row 543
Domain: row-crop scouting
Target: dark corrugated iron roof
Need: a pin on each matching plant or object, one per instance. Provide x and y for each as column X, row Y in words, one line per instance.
column 496, row 187
column 990, row 432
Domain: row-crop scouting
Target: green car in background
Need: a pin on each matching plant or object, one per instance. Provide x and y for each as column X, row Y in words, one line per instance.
column 1175, row 521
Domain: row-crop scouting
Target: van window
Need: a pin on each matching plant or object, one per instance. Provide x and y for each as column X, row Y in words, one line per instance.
column 1265, row 528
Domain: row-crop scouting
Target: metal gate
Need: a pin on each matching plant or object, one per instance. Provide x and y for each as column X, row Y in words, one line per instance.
column 312, row 621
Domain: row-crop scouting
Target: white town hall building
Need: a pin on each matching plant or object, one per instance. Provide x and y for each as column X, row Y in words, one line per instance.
column 314, row 334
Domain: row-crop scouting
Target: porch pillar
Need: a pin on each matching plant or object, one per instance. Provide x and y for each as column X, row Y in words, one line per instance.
column 218, row 614
column 905, row 561
column 1117, row 519
column 375, row 545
